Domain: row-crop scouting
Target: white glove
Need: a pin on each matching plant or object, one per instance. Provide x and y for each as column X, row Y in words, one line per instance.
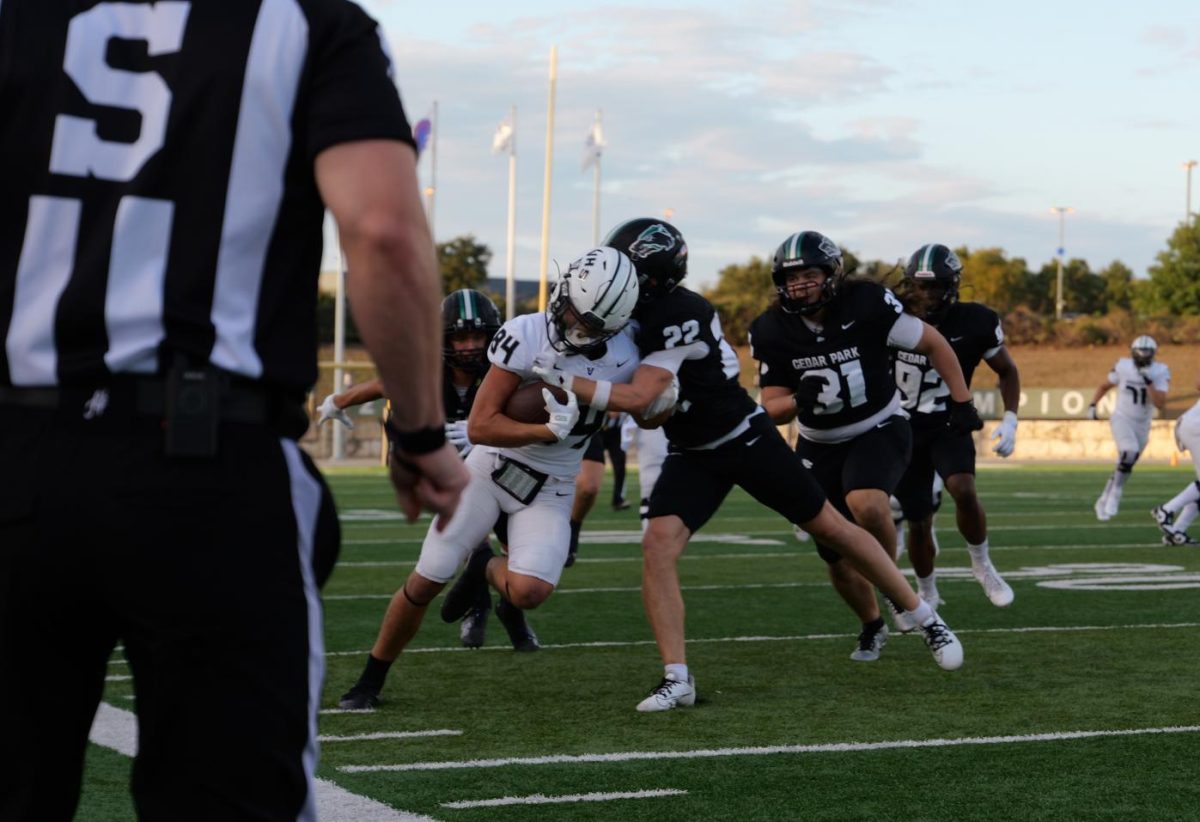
column 330, row 411
column 1091, row 415
column 665, row 400
column 456, row 435
column 551, row 374
column 563, row 416
column 1006, row 433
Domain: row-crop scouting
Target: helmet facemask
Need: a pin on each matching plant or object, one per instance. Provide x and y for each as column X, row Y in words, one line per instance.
column 592, row 301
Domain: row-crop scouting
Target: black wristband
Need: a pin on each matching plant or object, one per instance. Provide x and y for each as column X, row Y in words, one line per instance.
column 421, row 441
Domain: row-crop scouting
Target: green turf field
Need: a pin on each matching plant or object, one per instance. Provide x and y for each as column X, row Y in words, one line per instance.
column 1102, row 638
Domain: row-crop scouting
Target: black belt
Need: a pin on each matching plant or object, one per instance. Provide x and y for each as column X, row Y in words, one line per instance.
column 148, row 397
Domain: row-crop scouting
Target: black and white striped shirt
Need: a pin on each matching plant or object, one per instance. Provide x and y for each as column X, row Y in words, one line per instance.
column 156, row 180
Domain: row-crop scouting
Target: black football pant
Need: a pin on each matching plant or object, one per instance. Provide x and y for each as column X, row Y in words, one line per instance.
column 206, row 571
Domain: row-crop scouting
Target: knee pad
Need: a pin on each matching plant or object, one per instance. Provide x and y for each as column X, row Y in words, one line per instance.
column 1126, row 460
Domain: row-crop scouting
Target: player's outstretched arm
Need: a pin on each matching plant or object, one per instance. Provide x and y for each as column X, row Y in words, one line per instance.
column 636, row 396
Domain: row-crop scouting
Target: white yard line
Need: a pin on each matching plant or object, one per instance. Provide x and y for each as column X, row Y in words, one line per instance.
column 116, row 729
column 387, row 735
column 765, row 750
column 542, row 799
column 1049, row 629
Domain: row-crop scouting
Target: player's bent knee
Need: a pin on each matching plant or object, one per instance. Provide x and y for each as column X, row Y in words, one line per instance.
column 664, row 540
column 527, row 592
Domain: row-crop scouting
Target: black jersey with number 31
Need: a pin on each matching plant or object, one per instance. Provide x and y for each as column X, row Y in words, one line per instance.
column 850, row 352
column 974, row 332
column 711, row 400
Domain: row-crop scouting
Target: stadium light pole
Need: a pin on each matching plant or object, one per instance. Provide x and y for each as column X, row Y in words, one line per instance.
column 1062, row 212
column 1188, row 166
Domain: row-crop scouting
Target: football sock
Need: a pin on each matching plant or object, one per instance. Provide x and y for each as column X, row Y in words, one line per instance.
column 979, row 553
column 921, row 614
column 874, row 626
column 677, row 671
column 1187, row 516
column 375, row 673
column 1188, row 495
column 1119, row 480
column 927, row 586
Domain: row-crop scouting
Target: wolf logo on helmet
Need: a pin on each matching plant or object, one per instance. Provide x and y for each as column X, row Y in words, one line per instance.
column 658, row 251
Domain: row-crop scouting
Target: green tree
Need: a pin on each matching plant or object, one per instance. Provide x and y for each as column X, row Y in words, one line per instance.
column 1118, row 286
column 1083, row 291
column 463, row 262
column 1174, row 286
column 742, row 293
column 991, row 278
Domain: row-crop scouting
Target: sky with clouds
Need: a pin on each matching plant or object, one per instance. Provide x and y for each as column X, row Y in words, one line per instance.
column 883, row 124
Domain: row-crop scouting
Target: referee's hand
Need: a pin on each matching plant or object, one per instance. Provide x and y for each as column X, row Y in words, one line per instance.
column 432, row 482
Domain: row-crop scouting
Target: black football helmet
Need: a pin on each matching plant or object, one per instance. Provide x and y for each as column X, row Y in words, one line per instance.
column 936, row 272
column 807, row 249
column 468, row 310
column 658, row 251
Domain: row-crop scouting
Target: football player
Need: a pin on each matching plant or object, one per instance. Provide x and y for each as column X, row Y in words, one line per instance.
column 591, row 474
column 719, row 437
column 469, row 321
column 524, row 470
column 1174, row 516
column 825, row 359
column 1142, row 386
column 930, row 291
column 651, row 444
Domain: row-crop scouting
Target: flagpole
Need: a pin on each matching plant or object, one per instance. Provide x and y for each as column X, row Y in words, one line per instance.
column 339, row 345
column 431, row 190
column 596, row 187
column 546, row 183
column 510, row 287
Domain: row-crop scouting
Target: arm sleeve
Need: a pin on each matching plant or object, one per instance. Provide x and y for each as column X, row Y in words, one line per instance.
column 906, row 332
column 351, row 93
column 995, row 349
column 673, row 359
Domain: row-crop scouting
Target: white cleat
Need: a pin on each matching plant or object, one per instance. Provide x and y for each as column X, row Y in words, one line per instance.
column 800, row 533
column 904, row 624
column 870, row 645
column 997, row 590
column 941, row 641
column 934, row 598
column 668, row 694
column 1101, row 509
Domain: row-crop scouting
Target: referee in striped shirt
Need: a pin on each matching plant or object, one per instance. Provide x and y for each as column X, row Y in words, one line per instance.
column 165, row 168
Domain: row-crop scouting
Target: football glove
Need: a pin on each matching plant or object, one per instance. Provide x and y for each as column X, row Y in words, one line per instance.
column 810, row 390
column 547, row 368
column 1091, row 414
column 563, row 416
column 665, row 400
column 1006, row 433
column 456, row 435
column 330, row 411
column 963, row 417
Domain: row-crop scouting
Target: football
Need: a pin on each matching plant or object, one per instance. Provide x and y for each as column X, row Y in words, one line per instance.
column 527, row 404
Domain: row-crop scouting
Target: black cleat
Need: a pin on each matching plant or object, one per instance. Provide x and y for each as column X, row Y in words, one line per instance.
column 473, row 628
column 470, row 591
column 513, row 619
column 361, row 697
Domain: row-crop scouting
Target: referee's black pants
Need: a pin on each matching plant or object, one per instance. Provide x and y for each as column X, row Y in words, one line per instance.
column 206, row 571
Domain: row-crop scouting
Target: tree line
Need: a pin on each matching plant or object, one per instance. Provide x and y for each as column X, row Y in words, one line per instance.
column 1105, row 306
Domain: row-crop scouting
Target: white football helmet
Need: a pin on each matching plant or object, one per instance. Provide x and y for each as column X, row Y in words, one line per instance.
column 1143, row 350
column 592, row 300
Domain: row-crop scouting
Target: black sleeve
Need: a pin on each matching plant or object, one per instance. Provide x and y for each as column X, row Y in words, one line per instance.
column 352, row 96
column 876, row 308
column 678, row 319
column 774, row 367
